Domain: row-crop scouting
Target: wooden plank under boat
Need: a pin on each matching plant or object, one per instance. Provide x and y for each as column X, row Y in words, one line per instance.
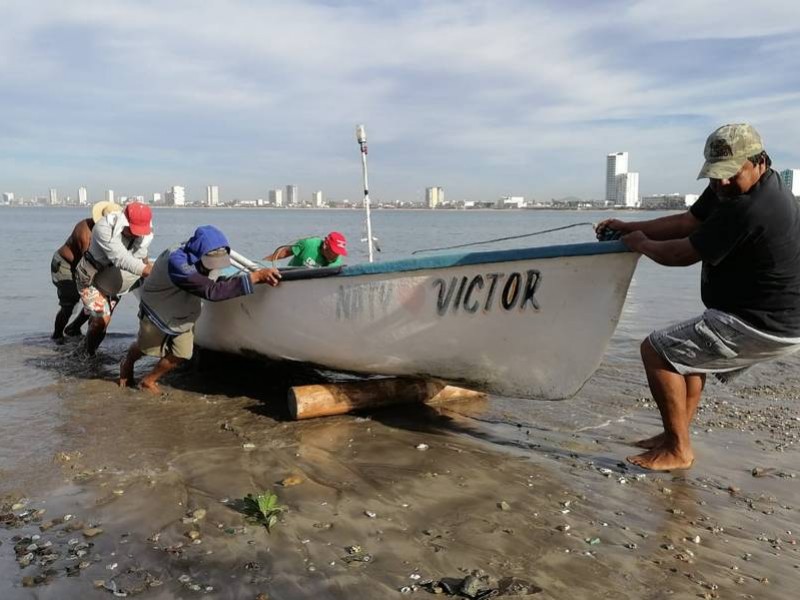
column 528, row 323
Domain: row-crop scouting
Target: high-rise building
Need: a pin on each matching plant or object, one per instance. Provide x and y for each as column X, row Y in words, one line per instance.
column 175, row 196
column 53, row 196
column 109, row 195
column 627, row 189
column 83, row 197
column 434, row 196
column 156, row 197
column 616, row 164
column 316, row 199
column 276, row 197
column 791, row 179
column 212, row 195
column 8, row 197
column 291, row 195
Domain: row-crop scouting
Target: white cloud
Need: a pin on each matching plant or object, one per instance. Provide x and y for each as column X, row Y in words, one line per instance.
column 476, row 94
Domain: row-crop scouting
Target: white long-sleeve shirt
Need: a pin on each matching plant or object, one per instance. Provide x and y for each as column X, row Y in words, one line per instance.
column 110, row 247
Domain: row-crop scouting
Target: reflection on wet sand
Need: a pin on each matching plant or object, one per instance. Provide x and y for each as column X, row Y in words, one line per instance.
column 534, row 491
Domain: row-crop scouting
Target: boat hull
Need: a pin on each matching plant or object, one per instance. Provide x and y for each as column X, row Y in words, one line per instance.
column 531, row 327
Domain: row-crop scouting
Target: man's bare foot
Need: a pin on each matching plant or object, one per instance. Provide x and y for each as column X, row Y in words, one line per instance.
column 150, row 387
column 663, row 458
column 126, row 375
column 651, row 442
column 127, row 382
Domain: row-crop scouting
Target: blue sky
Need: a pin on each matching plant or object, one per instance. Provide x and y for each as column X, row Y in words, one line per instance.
column 483, row 98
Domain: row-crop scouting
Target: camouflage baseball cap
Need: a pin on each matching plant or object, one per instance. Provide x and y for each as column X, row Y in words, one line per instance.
column 728, row 148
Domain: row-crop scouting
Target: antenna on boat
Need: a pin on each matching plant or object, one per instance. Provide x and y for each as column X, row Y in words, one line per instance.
column 361, row 137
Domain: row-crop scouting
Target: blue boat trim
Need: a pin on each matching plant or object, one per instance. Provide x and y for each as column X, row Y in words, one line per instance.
column 444, row 261
column 477, row 258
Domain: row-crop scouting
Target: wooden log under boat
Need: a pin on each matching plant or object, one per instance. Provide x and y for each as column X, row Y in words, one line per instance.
column 309, row 401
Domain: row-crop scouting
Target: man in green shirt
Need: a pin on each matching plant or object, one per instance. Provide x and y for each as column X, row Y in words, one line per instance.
column 313, row 251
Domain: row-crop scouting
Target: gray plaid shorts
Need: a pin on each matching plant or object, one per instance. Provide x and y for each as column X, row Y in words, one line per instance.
column 718, row 343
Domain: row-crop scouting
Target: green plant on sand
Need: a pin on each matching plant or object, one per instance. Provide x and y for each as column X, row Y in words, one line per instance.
column 263, row 509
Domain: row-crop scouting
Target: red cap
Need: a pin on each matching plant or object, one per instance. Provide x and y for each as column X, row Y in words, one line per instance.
column 337, row 243
column 140, row 218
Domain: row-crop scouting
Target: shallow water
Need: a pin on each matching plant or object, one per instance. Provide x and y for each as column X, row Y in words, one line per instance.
column 34, row 379
column 73, row 443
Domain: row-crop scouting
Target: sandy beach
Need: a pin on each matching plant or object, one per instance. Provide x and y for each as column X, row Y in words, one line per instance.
column 379, row 505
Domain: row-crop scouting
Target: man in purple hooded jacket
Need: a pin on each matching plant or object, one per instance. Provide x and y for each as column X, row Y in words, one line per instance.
column 171, row 301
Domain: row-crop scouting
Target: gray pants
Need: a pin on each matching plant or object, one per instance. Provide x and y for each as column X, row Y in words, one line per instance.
column 718, row 343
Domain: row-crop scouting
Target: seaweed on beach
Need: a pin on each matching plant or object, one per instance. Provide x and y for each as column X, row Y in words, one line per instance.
column 262, row 509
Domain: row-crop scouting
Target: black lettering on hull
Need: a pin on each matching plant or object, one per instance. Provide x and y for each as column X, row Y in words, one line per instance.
column 466, row 292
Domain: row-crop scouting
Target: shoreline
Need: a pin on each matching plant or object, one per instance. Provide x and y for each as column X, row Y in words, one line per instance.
column 377, row 208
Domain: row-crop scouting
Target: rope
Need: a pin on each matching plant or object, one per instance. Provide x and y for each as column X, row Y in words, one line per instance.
column 503, row 239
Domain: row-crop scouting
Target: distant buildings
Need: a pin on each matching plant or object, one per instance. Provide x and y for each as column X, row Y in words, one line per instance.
column 616, row 164
column 316, row 199
column 791, row 178
column 8, row 198
column 292, row 198
column 109, row 195
column 628, row 189
column 276, row 198
column 668, row 201
column 53, row 197
column 434, row 196
column 83, row 197
column 157, row 197
column 175, row 196
column 510, row 202
column 622, row 186
column 212, row 195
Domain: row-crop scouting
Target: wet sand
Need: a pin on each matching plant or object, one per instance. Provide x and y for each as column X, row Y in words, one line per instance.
column 538, row 492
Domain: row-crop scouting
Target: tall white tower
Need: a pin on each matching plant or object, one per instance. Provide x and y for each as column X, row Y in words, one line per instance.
column 616, row 164
column 628, row 189
column 316, row 199
column 109, row 195
column 434, row 196
column 53, row 196
column 83, row 198
column 212, row 195
column 276, row 197
column 791, row 178
column 176, row 196
column 291, row 195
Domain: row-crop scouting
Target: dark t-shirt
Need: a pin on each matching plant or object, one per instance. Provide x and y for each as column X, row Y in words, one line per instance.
column 750, row 246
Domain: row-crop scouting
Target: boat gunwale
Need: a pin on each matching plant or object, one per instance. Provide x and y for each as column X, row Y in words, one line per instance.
column 444, row 261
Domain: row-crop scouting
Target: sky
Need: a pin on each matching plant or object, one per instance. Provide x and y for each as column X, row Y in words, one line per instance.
column 483, row 98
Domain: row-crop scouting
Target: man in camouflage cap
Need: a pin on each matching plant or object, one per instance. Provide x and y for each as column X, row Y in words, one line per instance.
column 744, row 228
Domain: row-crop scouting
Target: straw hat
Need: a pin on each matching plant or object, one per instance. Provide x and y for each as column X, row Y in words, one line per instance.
column 101, row 209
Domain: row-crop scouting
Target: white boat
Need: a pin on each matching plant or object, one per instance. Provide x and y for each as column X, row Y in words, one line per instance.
column 528, row 323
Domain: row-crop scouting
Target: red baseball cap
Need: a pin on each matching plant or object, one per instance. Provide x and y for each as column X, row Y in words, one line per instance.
column 337, row 243
column 140, row 218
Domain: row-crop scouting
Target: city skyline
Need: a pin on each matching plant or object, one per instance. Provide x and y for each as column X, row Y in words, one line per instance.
column 151, row 94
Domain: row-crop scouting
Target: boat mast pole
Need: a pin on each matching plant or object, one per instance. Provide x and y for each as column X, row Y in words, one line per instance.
column 361, row 136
